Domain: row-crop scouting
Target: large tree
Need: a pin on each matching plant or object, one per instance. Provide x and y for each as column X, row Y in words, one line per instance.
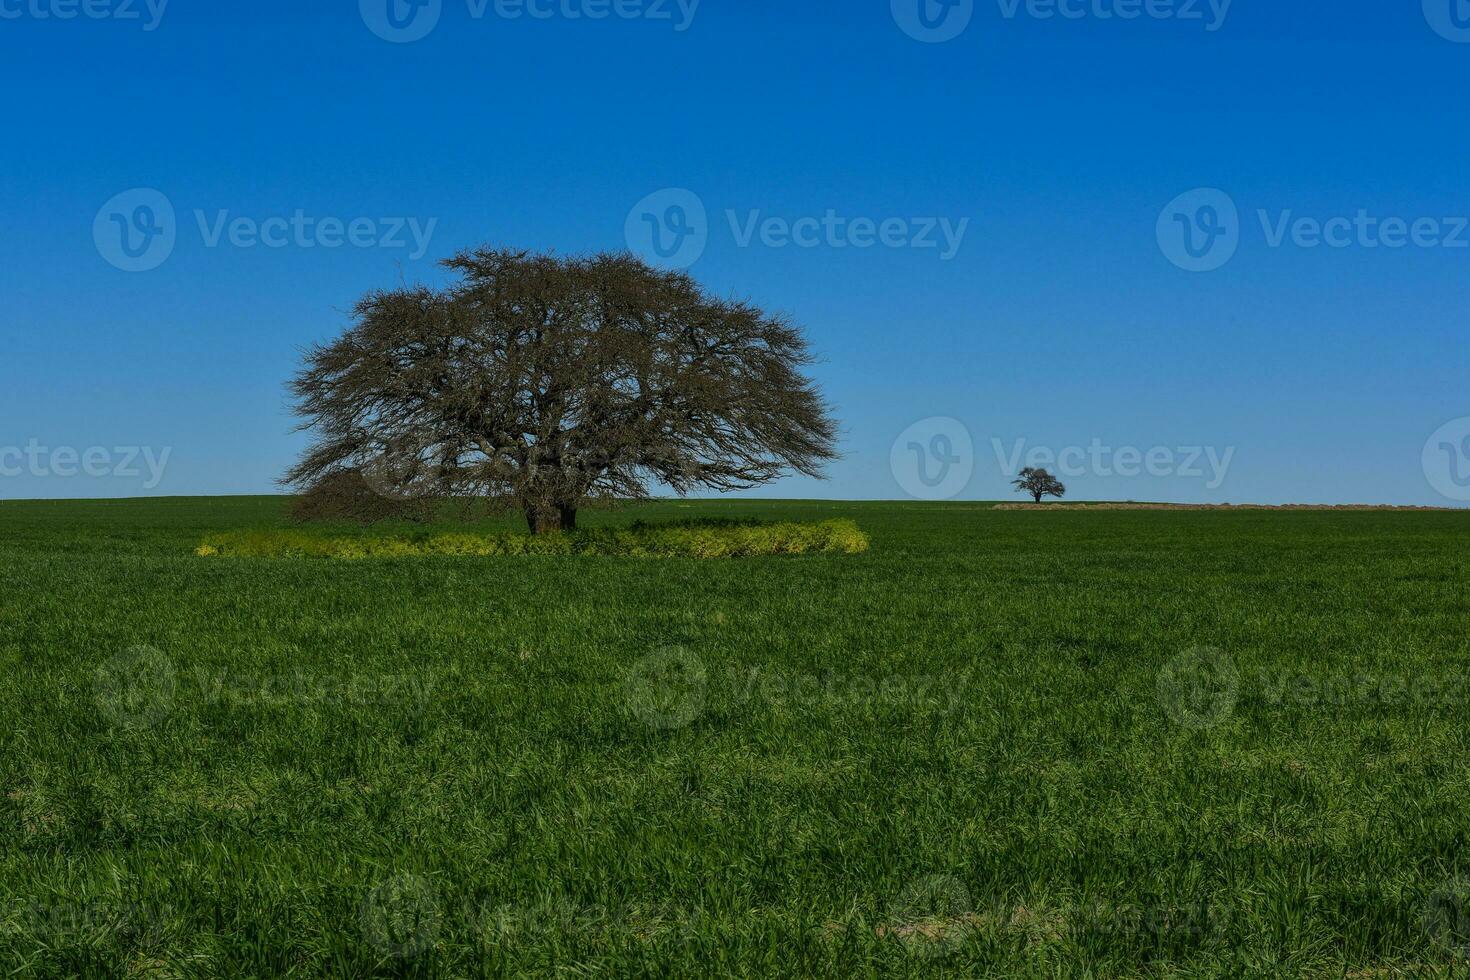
column 542, row 382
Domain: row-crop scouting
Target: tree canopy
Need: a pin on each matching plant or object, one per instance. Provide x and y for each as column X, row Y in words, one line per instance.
column 1039, row 483
column 542, row 382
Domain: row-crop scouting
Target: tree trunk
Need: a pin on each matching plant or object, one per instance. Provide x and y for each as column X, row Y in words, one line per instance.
column 549, row 519
column 1037, row 495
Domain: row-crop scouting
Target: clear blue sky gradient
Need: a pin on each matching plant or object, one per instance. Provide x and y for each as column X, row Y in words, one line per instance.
column 1059, row 321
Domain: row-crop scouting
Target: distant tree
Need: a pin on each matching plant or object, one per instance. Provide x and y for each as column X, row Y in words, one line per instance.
column 542, row 383
column 1039, row 483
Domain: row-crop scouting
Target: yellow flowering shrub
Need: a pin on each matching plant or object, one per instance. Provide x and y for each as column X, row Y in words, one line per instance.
column 710, row 539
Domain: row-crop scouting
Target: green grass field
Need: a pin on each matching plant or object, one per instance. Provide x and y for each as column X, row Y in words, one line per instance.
column 997, row 744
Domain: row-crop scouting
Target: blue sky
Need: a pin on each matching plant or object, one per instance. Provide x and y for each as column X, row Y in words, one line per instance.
column 829, row 149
